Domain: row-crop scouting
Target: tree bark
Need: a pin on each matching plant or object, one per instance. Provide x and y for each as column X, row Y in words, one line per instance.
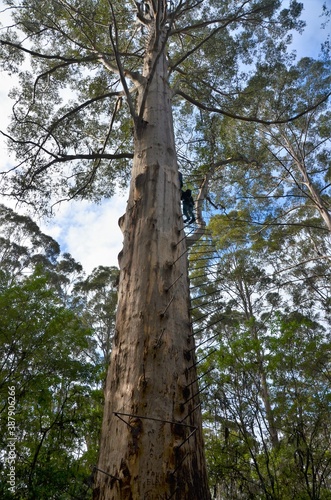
column 151, row 441
column 316, row 198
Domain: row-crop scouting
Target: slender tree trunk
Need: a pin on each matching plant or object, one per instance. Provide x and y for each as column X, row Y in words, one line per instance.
column 264, row 390
column 151, row 441
column 316, row 198
column 268, row 408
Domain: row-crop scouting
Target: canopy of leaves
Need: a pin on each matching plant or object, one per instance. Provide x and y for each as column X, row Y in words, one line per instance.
column 54, row 321
column 71, row 130
column 261, row 317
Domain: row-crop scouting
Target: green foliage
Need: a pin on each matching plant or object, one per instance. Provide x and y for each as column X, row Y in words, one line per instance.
column 265, row 362
column 72, row 130
column 43, row 351
column 242, row 461
column 51, row 372
column 97, row 297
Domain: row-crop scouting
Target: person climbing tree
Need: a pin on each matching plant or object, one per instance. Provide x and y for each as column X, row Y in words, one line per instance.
column 188, row 206
column 180, row 178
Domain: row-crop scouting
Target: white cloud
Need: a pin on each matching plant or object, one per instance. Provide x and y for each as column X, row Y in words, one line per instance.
column 89, row 232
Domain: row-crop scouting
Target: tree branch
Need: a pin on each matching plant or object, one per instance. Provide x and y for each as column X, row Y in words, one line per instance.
column 237, row 16
column 254, row 119
column 92, row 156
column 119, row 65
column 97, row 164
column 40, row 55
column 197, row 47
column 202, row 195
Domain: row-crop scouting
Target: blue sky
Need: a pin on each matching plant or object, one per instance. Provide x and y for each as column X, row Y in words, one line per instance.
column 309, row 43
column 90, row 232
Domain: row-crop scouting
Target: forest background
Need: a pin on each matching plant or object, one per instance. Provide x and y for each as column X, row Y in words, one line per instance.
column 260, row 291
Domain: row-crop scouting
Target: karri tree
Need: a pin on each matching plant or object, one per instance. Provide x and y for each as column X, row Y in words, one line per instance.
column 130, row 67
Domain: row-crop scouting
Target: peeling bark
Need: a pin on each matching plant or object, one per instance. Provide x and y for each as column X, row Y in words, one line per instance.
column 151, row 440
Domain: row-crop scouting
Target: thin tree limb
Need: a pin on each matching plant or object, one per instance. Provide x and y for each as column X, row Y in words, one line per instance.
column 119, row 65
column 41, row 55
column 220, row 111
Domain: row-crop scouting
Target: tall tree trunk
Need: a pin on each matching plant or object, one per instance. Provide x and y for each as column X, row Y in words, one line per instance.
column 264, row 389
column 151, row 441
